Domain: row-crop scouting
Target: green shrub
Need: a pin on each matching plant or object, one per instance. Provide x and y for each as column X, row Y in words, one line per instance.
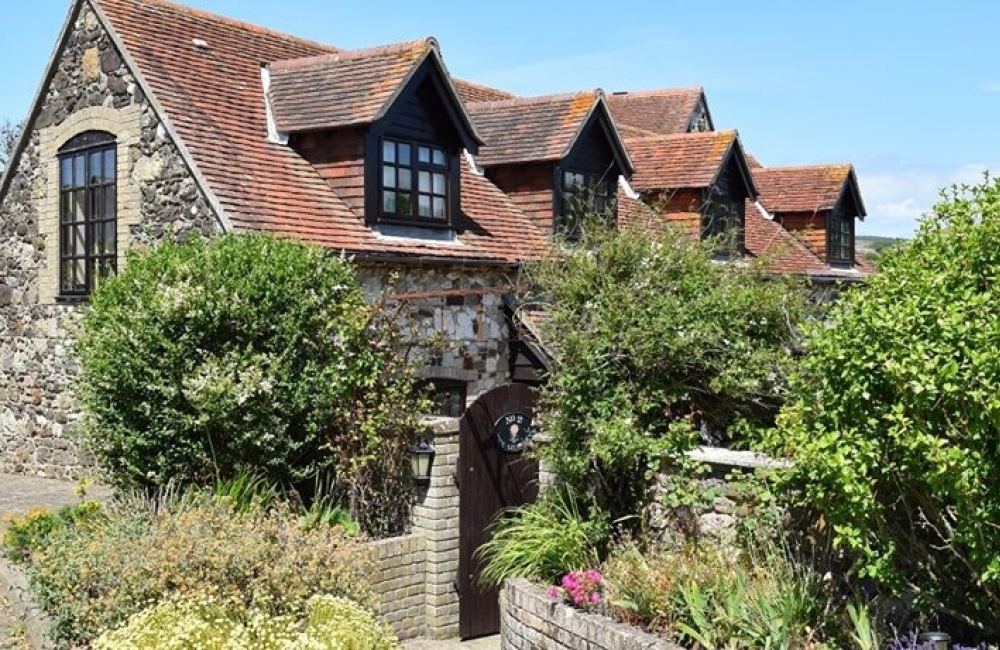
column 895, row 421
column 206, row 623
column 542, row 541
column 657, row 342
column 249, row 354
column 24, row 535
column 91, row 580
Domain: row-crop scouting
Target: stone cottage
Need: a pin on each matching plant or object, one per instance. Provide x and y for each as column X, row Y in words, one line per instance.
column 154, row 121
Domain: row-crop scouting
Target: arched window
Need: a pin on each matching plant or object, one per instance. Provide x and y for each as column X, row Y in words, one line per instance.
column 88, row 199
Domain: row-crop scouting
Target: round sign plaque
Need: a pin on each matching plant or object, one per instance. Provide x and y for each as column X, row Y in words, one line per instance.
column 512, row 432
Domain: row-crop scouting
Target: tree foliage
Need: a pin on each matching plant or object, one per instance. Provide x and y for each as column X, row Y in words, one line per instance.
column 657, row 347
column 895, row 423
column 9, row 133
column 249, row 354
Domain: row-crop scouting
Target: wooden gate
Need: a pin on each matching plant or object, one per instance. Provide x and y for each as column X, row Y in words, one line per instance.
column 493, row 474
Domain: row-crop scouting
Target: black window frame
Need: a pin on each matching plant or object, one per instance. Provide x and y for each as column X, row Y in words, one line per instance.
column 97, row 248
column 840, row 240
column 446, row 193
column 581, row 195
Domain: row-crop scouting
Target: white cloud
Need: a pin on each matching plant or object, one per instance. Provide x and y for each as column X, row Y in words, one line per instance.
column 897, row 199
column 991, row 87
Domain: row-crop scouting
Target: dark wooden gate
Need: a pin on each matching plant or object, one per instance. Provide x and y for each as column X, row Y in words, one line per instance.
column 490, row 480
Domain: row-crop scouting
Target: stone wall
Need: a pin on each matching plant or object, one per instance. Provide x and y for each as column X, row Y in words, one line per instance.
column 399, row 580
column 159, row 199
column 529, row 620
column 716, row 517
column 458, row 316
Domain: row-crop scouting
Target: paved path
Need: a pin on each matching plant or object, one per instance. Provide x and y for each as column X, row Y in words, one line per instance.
column 19, row 494
column 486, row 643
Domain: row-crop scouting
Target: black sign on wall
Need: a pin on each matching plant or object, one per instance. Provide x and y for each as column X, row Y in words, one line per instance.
column 512, row 431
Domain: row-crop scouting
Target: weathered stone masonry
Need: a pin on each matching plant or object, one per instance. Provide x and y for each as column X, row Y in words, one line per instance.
column 91, row 89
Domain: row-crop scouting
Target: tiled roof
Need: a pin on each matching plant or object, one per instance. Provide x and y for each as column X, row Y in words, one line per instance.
column 214, row 99
column 801, row 189
column 680, row 160
column 657, row 111
column 531, row 129
column 782, row 251
column 342, row 88
column 471, row 93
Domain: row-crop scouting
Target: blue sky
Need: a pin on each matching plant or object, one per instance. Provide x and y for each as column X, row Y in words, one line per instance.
column 909, row 91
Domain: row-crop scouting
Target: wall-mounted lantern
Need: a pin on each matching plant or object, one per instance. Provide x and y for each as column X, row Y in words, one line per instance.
column 935, row 640
column 421, row 460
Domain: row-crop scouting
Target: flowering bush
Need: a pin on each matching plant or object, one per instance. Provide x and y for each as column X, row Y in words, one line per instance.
column 583, row 589
column 207, row 622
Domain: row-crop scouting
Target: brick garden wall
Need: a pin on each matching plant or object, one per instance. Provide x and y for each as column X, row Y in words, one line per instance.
column 529, row 619
column 399, row 578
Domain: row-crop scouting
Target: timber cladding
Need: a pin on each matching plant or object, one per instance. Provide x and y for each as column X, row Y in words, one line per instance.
column 809, row 227
column 530, row 187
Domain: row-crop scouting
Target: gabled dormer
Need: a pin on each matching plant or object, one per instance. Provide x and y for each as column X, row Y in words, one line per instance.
column 699, row 182
column 661, row 112
column 556, row 156
column 386, row 129
column 819, row 203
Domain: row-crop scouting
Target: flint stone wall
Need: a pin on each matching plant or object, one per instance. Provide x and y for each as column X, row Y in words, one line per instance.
column 159, row 200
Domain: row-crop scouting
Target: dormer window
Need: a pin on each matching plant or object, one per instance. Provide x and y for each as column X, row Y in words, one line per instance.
column 415, row 183
column 840, row 245
column 585, row 194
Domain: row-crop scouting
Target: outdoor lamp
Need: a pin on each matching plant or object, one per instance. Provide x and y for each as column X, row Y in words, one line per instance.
column 421, row 458
column 936, row 640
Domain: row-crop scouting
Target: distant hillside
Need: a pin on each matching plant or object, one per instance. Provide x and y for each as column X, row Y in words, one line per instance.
column 875, row 243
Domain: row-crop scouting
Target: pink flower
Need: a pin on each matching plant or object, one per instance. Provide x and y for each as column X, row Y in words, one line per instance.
column 553, row 593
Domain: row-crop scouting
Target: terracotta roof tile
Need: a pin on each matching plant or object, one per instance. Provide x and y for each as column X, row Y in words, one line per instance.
column 664, row 111
column 530, row 129
column 801, row 189
column 782, row 251
column 471, row 93
column 680, row 160
column 343, row 88
column 214, row 98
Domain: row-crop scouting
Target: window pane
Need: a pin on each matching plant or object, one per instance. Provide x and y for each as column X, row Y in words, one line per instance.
column 96, row 239
column 439, row 158
column 405, row 205
column 424, row 184
column 78, row 171
column 439, row 184
column 96, row 204
column 439, row 208
column 95, row 175
column 79, row 239
column 389, row 202
column 110, row 172
column 110, row 202
column 388, row 176
column 405, row 179
column 424, row 206
column 388, row 151
column 64, row 205
column 423, row 154
column 66, row 277
column 404, row 155
column 79, row 275
column 110, row 235
column 79, row 206
column 66, row 173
